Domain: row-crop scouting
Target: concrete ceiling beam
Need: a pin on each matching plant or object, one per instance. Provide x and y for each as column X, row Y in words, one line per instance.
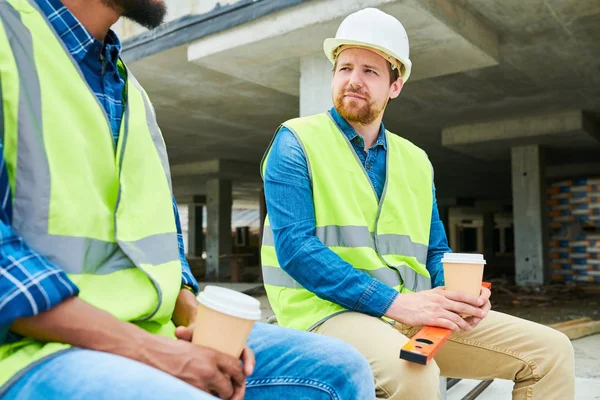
column 473, row 45
column 493, row 139
column 565, row 171
column 267, row 51
column 445, row 39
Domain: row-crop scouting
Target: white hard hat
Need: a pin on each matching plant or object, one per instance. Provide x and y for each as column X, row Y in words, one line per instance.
column 373, row 29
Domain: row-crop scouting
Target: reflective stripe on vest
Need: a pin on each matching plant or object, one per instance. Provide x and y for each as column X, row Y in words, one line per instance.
column 359, row 236
column 278, row 277
column 102, row 214
column 386, row 239
column 68, row 252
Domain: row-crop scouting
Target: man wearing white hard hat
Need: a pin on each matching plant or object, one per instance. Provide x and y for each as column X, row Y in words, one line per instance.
column 353, row 242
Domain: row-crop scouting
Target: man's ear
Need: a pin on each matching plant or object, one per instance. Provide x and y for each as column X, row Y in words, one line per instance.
column 396, row 88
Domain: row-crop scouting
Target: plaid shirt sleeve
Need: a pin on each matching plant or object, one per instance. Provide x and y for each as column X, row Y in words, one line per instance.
column 187, row 278
column 29, row 284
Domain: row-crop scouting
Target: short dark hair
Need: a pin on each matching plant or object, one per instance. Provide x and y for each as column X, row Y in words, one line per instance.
column 394, row 72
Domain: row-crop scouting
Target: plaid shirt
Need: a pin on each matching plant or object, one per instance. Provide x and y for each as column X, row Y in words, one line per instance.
column 30, row 284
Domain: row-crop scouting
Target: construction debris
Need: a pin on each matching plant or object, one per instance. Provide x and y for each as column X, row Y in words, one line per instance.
column 548, row 304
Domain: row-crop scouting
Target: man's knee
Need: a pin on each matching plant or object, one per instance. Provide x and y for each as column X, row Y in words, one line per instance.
column 349, row 372
column 559, row 347
column 550, row 352
column 405, row 380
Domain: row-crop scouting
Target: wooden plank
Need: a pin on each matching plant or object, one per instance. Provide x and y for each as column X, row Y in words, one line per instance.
column 565, row 324
column 581, row 330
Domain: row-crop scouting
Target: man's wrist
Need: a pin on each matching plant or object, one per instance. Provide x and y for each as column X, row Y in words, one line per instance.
column 185, row 308
column 188, row 287
column 377, row 299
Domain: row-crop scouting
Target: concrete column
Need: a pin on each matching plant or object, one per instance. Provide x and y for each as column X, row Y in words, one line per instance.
column 452, row 236
column 530, row 215
column 503, row 240
column 195, row 231
column 315, row 84
column 480, row 240
column 218, row 229
column 488, row 236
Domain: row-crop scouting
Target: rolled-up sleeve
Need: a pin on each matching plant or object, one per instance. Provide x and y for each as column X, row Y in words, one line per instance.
column 29, row 284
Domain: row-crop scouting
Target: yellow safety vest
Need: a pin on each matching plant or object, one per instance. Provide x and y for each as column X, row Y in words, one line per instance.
column 103, row 215
column 386, row 238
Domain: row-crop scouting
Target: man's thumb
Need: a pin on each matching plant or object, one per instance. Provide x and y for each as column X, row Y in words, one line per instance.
column 184, row 332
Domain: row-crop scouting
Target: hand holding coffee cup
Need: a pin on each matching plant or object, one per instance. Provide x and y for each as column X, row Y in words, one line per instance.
column 463, row 273
column 224, row 319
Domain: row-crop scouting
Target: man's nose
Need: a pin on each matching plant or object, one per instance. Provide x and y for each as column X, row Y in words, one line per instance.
column 355, row 79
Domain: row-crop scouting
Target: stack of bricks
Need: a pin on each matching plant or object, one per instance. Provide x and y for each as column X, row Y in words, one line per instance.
column 574, row 221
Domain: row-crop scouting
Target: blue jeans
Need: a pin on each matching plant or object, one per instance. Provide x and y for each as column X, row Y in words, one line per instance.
column 289, row 365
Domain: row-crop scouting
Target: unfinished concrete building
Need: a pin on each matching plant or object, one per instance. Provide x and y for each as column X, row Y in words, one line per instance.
column 504, row 97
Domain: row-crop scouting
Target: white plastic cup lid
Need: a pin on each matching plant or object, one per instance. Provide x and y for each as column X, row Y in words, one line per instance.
column 230, row 302
column 463, row 258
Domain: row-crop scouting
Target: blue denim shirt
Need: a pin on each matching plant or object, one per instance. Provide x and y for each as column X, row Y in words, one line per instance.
column 292, row 217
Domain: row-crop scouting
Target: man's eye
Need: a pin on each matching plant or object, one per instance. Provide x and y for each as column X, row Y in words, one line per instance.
column 344, row 69
column 370, row 71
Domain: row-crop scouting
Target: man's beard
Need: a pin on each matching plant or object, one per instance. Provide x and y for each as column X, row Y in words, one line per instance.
column 148, row 13
column 361, row 111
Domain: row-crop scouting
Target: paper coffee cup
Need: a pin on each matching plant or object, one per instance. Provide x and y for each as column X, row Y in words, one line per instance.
column 463, row 272
column 224, row 319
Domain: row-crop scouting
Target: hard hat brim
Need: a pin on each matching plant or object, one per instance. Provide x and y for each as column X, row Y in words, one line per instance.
column 330, row 44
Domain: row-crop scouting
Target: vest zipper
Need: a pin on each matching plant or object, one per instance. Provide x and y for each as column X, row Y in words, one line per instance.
column 380, row 201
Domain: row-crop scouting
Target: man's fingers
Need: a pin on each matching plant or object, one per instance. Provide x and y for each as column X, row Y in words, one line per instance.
column 463, row 298
column 232, row 367
column 485, row 295
column 249, row 360
column 184, row 333
column 462, row 308
column 486, row 308
column 449, row 320
column 239, row 392
column 445, row 323
column 221, row 386
column 457, row 320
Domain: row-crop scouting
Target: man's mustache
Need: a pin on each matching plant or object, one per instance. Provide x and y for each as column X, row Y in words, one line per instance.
column 349, row 91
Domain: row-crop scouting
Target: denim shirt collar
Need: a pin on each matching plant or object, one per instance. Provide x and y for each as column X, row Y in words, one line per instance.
column 351, row 133
column 78, row 41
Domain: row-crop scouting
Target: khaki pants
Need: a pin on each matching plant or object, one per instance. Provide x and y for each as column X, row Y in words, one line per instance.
column 538, row 359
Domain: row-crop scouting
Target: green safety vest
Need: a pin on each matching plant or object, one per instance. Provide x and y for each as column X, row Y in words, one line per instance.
column 103, row 215
column 386, row 238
